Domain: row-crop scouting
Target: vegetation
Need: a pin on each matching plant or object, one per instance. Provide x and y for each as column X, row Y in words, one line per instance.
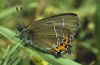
column 85, row 48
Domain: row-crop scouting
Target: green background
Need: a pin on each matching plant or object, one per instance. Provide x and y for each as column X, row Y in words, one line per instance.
column 85, row 48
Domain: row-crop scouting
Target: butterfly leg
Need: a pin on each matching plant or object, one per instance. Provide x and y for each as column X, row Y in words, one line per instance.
column 27, row 40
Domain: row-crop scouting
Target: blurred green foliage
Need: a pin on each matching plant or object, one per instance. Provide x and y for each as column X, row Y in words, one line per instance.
column 85, row 46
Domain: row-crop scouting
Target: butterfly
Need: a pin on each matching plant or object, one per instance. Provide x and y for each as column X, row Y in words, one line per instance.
column 52, row 35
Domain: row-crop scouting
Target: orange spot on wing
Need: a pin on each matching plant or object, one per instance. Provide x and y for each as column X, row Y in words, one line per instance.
column 61, row 47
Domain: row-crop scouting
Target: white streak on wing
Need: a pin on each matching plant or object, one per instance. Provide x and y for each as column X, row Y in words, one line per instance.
column 53, row 45
column 63, row 21
column 58, row 41
column 56, row 35
column 48, row 48
column 55, row 31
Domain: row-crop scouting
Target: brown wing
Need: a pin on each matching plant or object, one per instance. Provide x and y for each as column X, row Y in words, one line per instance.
column 47, row 31
column 69, row 21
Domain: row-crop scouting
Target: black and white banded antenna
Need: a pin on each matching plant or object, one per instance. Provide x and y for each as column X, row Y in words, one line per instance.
column 20, row 17
column 19, row 11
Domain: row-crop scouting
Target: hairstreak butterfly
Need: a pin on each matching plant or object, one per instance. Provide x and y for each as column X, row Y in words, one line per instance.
column 52, row 35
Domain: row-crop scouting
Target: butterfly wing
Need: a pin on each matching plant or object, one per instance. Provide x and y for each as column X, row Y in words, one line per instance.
column 47, row 31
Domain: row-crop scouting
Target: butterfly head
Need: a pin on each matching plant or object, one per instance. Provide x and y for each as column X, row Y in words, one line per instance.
column 21, row 27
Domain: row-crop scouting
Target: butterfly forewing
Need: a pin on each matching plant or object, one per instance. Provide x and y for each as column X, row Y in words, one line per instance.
column 47, row 31
column 68, row 21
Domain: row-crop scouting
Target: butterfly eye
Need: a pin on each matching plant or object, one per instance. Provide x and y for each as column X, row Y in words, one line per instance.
column 20, row 27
